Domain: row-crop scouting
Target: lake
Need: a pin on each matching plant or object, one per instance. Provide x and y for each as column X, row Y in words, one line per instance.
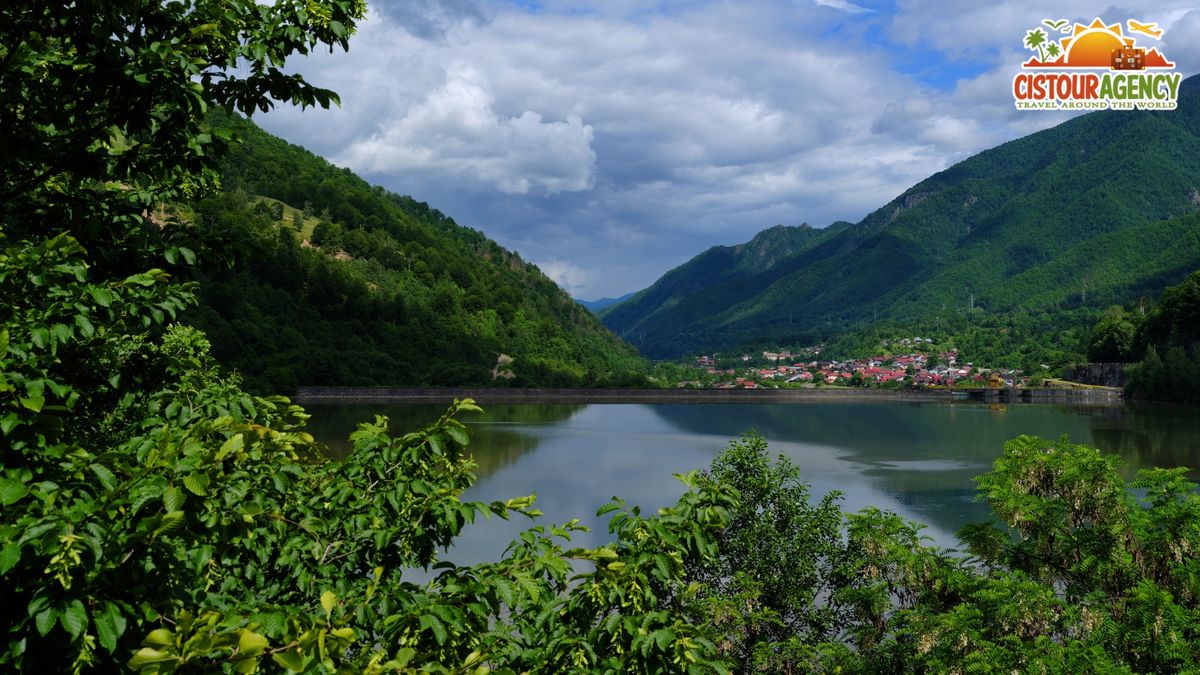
column 916, row 458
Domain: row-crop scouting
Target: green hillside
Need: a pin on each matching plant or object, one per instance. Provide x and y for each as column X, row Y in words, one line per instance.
column 1168, row 344
column 337, row 282
column 1096, row 211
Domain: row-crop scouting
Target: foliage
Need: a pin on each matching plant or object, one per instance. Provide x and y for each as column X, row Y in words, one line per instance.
column 1112, row 337
column 1085, row 574
column 157, row 516
column 105, row 104
column 1170, row 340
column 775, row 534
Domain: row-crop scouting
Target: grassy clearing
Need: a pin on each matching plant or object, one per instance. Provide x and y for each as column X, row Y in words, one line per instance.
column 293, row 217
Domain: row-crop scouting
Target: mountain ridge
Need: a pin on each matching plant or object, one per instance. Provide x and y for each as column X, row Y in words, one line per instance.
column 963, row 237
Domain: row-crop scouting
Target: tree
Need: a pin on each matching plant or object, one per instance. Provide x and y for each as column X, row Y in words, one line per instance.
column 1079, row 572
column 155, row 515
column 105, row 103
column 1034, row 40
column 103, row 126
column 766, row 592
column 1111, row 340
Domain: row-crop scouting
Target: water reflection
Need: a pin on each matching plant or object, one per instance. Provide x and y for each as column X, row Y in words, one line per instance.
column 498, row 434
column 1150, row 435
column 915, row 458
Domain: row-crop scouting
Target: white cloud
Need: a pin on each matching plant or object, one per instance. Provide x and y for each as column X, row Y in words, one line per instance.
column 616, row 141
column 843, row 5
column 569, row 277
column 456, row 132
column 1181, row 41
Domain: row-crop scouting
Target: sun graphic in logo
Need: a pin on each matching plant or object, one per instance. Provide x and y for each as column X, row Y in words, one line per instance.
column 1094, row 45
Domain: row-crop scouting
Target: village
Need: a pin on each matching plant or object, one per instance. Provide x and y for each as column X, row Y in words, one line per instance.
column 921, row 366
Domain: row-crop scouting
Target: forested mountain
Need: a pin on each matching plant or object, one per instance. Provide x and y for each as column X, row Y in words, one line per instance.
column 1096, row 211
column 337, row 282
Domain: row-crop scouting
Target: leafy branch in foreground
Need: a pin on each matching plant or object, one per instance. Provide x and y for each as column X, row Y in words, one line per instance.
column 1086, row 574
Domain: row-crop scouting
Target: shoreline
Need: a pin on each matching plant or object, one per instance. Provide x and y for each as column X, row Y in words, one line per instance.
column 445, row 395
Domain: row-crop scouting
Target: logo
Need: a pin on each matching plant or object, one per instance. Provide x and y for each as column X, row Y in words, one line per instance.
column 1098, row 66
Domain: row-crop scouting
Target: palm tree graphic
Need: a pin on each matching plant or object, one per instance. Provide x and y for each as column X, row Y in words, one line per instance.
column 1034, row 40
column 1052, row 50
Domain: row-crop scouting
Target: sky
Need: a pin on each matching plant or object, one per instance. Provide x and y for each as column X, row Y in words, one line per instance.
column 608, row 142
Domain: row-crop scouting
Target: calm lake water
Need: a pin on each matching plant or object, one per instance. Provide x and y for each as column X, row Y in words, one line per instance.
column 915, row 458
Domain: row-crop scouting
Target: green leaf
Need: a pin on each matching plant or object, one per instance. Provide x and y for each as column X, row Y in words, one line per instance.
column 74, row 619
column 232, row 445
column 110, row 625
column 12, row 490
column 436, row 443
column 40, row 337
column 159, row 637
column 405, row 656
column 45, row 619
column 85, row 325
column 34, row 403
column 3, row 343
column 196, row 483
column 107, row 480
column 663, row 638
column 432, row 623
column 251, row 643
column 148, row 657
column 8, row 422
column 328, row 600
column 291, row 659
column 9, row 556
column 457, row 435
column 102, row 296
column 172, row 498
column 169, row 521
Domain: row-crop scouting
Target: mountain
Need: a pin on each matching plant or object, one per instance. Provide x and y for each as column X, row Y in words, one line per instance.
column 1098, row 210
column 603, row 303
column 333, row 281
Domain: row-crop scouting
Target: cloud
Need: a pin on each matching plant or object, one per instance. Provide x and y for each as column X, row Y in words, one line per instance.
column 1180, row 42
column 430, row 19
column 843, row 5
column 456, row 132
column 618, row 139
column 569, row 277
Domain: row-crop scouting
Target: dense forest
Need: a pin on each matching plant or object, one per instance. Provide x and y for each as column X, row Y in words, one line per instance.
column 1165, row 344
column 336, row 282
column 1042, row 226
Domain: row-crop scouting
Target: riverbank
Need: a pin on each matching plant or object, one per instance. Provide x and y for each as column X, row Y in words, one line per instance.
column 445, row 395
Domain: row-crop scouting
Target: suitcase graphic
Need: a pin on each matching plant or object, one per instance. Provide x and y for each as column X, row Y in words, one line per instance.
column 1129, row 58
